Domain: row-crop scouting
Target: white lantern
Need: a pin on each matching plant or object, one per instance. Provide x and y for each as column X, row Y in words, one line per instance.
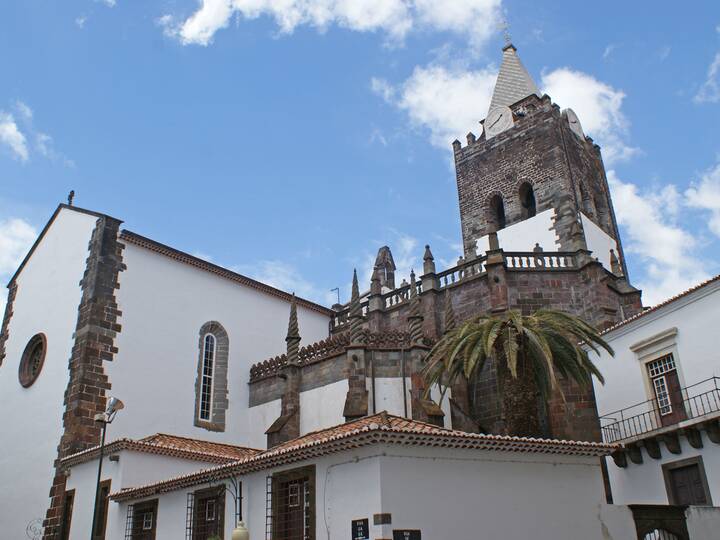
column 240, row 532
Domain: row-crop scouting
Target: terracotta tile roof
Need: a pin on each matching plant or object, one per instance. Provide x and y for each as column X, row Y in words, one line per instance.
column 662, row 304
column 381, row 428
column 169, row 445
column 181, row 256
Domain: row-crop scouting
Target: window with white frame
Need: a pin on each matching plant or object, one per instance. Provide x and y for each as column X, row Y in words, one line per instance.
column 211, row 386
column 206, row 385
column 658, row 371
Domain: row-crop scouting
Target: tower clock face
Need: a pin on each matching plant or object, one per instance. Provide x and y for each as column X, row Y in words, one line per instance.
column 497, row 121
column 574, row 122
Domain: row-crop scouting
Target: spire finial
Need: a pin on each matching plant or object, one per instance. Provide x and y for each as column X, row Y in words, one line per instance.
column 428, row 261
column 505, row 27
column 355, row 315
column 355, row 294
column 71, row 196
column 293, row 335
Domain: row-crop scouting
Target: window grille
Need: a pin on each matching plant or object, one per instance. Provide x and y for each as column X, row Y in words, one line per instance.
column 207, row 376
column 268, row 508
column 290, row 506
column 204, row 518
column 189, row 512
column 129, row 522
column 141, row 521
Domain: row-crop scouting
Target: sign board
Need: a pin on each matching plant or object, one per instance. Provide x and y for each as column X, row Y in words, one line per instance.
column 360, row 529
column 406, row 534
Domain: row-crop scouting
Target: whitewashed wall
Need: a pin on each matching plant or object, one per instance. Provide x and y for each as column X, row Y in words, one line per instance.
column 523, row 236
column 451, row 494
column 322, row 407
column 444, row 493
column 598, row 241
column 164, row 304
column 132, row 470
column 696, row 318
column 47, row 301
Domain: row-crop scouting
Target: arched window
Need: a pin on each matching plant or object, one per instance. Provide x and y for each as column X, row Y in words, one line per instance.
column 527, row 201
column 211, row 388
column 497, row 212
column 206, row 384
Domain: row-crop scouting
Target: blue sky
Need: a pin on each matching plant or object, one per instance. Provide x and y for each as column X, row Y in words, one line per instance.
column 290, row 139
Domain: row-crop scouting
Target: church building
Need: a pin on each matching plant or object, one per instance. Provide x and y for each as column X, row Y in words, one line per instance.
column 242, row 401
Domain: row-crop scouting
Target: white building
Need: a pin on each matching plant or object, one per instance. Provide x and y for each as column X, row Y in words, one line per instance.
column 661, row 400
column 167, row 302
column 384, row 474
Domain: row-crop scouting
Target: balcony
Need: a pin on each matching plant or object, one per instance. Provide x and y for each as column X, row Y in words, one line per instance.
column 695, row 402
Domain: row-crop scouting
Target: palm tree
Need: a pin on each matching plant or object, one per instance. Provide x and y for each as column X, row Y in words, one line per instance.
column 529, row 352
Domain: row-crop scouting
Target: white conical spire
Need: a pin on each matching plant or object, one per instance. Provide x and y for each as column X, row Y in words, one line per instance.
column 514, row 82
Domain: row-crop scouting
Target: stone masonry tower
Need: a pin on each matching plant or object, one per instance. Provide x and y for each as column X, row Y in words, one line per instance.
column 533, row 161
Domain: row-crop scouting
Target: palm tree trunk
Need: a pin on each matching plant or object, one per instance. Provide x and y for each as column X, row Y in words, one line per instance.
column 520, row 401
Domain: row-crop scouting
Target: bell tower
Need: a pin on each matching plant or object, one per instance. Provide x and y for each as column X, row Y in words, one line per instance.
column 533, row 176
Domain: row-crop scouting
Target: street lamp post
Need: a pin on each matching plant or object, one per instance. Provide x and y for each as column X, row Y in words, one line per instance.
column 113, row 406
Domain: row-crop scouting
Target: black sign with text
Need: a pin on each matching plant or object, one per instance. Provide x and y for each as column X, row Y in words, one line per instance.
column 360, row 529
column 406, row 534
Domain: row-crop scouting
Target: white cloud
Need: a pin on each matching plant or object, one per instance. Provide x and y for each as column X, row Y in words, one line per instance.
column 710, row 90
column 16, row 237
column 11, row 136
column 608, row 51
column 706, row 195
column 46, row 147
column 286, row 277
column 666, row 250
column 597, row 104
column 80, row 21
column 449, row 102
column 24, row 109
column 19, row 137
column 108, row 3
column 475, row 19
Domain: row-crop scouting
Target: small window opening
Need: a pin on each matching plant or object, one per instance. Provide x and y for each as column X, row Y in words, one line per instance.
column 527, row 201
column 497, row 210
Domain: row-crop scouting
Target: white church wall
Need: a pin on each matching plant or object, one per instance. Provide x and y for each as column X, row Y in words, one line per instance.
column 695, row 319
column 322, row 407
column 164, row 304
column 389, row 396
column 47, row 300
column 262, row 416
column 598, row 241
column 450, row 493
column 523, row 236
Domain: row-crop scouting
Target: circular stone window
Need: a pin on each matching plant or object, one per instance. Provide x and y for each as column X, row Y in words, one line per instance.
column 32, row 360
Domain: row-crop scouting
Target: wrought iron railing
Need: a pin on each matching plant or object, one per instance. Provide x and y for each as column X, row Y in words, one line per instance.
column 695, row 401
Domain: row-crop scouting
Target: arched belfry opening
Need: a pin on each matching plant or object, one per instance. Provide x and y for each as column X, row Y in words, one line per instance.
column 497, row 212
column 527, row 201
